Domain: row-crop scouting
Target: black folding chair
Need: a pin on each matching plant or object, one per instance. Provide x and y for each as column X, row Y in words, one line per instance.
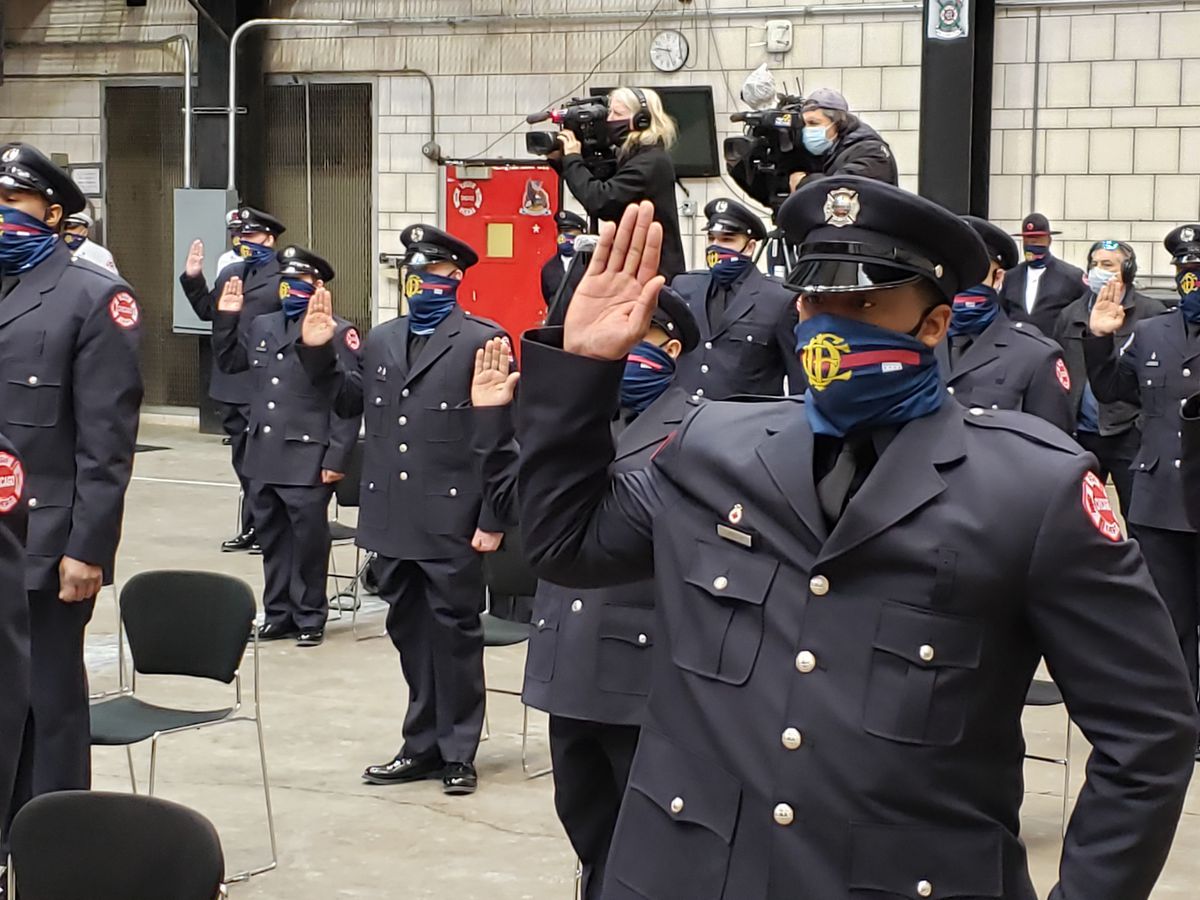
column 194, row 624
column 507, row 574
column 346, row 496
column 87, row 845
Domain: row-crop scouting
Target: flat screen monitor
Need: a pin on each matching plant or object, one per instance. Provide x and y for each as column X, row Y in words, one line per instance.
column 695, row 153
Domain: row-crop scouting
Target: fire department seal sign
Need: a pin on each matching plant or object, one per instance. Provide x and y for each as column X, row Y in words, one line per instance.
column 1099, row 509
column 12, row 482
column 468, row 198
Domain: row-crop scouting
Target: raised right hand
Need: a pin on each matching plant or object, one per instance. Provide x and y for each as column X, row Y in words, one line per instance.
column 319, row 326
column 195, row 259
column 1108, row 315
column 611, row 309
column 231, row 297
column 493, row 384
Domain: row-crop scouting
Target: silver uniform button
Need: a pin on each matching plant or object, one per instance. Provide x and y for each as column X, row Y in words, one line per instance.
column 404, row 393
column 403, row 420
column 1149, row 382
column 444, row 405
column 750, row 338
column 926, row 653
column 33, row 504
column 806, row 661
column 541, row 623
column 370, row 486
column 404, row 448
column 1177, row 464
column 1187, row 373
column 792, row 739
column 819, row 585
column 453, row 492
column 33, row 379
column 784, row 814
column 995, row 406
column 975, row 411
column 279, row 356
column 924, row 888
column 275, row 380
column 404, row 476
column 270, row 404
column 950, row 391
column 699, row 392
column 378, row 401
column 266, row 429
column 708, row 345
column 642, row 639
column 577, row 606
column 307, row 438
column 677, row 805
column 720, row 583
column 704, row 368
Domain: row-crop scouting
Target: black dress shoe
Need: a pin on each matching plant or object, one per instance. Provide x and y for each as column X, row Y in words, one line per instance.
column 243, row 541
column 272, row 631
column 404, row 769
column 310, row 637
column 459, row 778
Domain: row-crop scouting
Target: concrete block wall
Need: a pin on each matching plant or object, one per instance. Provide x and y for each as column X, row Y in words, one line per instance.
column 1117, row 90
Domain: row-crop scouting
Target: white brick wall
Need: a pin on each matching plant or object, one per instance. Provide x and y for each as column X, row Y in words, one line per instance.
column 1117, row 146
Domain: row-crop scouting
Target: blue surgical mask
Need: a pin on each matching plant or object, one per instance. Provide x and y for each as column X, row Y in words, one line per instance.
column 726, row 264
column 1187, row 282
column 74, row 241
column 863, row 376
column 24, row 240
column 816, row 140
column 430, row 299
column 648, row 372
column 1037, row 257
column 974, row 310
column 255, row 254
column 566, row 245
column 295, row 294
column 1098, row 278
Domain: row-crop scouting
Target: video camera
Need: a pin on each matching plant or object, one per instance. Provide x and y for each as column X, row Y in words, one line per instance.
column 768, row 151
column 586, row 118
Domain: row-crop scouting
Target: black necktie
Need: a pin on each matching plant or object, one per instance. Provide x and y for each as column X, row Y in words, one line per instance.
column 716, row 306
column 834, row 488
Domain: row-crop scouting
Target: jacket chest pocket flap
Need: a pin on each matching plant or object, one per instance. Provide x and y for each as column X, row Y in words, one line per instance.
column 913, row 862
column 686, row 809
column 32, row 401
column 444, row 423
column 626, row 636
column 922, row 670
column 720, row 627
column 543, row 640
column 1152, row 384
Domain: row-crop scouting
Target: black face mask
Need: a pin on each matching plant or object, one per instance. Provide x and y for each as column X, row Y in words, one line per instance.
column 618, row 130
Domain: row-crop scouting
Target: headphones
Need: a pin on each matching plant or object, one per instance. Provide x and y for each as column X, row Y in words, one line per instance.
column 641, row 119
column 1128, row 268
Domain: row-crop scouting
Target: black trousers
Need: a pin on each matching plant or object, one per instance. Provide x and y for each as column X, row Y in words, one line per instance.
column 292, row 526
column 15, row 671
column 1115, row 453
column 434, row 608
column 591, row 768
column 234, row 419
column 56, row 754
column 1174, row 561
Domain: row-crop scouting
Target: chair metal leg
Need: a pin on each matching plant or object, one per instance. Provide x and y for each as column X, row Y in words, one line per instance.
column 487, row 724
column 1066, row 780
column 578, row 879
column 132, row 776
column 525, row 745
column 357, row 603
column 122, row 684
column 11, row 877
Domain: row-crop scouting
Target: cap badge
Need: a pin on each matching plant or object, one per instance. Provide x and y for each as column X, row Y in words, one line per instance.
column 10, row 154
column 721, row 206
column 841, row 207
column 289, row 252
column 1188, row 234
column 938, row 270
column 417, row 234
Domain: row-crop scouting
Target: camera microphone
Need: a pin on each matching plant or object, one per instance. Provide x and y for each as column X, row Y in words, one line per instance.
column 738, row 117
column 534, row 118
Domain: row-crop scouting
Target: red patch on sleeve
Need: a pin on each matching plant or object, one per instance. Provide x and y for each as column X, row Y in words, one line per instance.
column 1099, row 509
column 12, row 482
column 1061, row 373
column 124, row 310
column 353, row 341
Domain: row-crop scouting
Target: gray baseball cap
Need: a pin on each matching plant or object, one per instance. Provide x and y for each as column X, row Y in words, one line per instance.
column 826, row 98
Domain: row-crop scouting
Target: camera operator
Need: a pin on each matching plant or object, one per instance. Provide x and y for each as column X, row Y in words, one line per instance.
column 844, row 144
column 642, row 133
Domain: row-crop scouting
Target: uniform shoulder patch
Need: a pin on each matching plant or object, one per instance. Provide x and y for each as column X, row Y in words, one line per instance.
column 1099, row 509
column 124, row 310
column 353, row 341
column 12, row 482
column 1061, row 373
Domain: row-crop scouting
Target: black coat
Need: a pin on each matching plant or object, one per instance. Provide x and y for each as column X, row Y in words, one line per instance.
column 553, row 274
column 1118, row 416
column 556, row 306
column 260, row 292
column 1011, row 366
column 1157, row 369
column 1061, row 284
column 645, row 174
column 590, row 652
column 14, row 621
column 859, row 150
column 753, row 346
column 294, row 432
column 420, row 495
column 69, row 402
column 835, row 715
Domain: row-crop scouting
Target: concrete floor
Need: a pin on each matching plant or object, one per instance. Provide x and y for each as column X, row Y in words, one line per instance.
column 332, row 710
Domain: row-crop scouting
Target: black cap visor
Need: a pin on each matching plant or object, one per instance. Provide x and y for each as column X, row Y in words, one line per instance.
column 845, row 267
